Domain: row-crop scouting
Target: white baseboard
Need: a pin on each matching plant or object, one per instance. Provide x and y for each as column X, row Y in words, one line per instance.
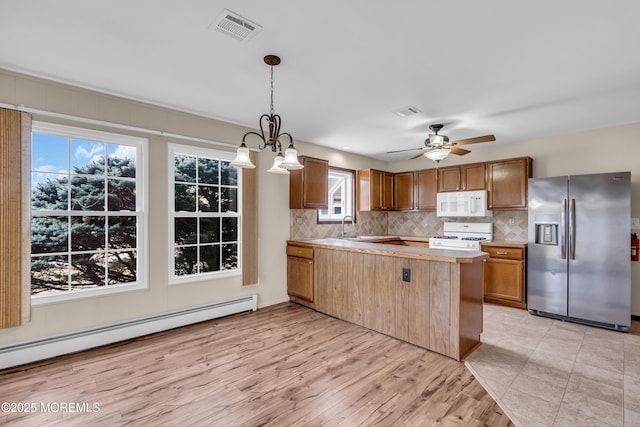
column 31, row 351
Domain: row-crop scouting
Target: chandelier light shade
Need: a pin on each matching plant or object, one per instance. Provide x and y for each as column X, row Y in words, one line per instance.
column 270, row 136
column 437, row 154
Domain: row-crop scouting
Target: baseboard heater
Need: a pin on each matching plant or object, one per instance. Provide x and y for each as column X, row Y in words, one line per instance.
column 31, row 351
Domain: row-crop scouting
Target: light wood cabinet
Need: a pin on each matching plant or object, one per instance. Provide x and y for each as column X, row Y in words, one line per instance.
column 308, row 187
column 504, row 276
column 508, row 183
column 426, row 189
column 462, row 178
column 375, row 190
column 403, row 194
column 473, row 177
column 449, row 179
column 300, row 274
column 440, row 308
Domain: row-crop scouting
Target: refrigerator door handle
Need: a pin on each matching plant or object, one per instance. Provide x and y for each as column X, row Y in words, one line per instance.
column 563, row 231
column 572, row 229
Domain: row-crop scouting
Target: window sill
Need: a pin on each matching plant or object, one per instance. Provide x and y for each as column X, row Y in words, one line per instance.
column 179, row 280
column 85, row 293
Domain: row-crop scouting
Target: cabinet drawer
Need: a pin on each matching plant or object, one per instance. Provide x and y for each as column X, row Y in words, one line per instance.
column 507, row 253
column 300, row 252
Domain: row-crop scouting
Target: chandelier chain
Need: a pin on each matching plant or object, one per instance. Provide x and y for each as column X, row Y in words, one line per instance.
column 271, row 106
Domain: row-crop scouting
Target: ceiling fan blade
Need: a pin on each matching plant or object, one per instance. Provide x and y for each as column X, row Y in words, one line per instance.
column 408, row 149
column 459, row 151
column 417, row 156
column 477, row 139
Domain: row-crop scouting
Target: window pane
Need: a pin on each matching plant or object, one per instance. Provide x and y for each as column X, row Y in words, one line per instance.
column 49, row 274
column 49, row 234
column 122, row 232
column 185, row 231
column 185, row 261
column 229, row 229
column 87, row 271
column 229, row 174
column 87, row 157
column 121, row 160
column 208, row 171
column 208, row 198
column 185, row 168
column 49, row 153
column 122, row 267
column 229, row 256
column 49, row 191
column 87, row 233
column 87, row 194
column 229, row 202
column 209, row 230
column 185, row 198
column 209, row 258
column 122, row 195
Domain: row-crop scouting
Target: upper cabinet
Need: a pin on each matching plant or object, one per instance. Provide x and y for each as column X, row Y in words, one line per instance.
column 508, row 183
column 462, row 178
column 426, row 189
column 308, row 187
column 403, row 199
column 375, row 190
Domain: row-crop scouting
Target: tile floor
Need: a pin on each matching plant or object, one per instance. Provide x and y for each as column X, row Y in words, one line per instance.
column 546, row 372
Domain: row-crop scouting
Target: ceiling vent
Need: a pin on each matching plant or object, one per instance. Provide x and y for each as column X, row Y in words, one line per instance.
column 236, row 26
column 406, row 111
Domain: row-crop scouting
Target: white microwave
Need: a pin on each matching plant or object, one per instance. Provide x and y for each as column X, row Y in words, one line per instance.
column 463, row 203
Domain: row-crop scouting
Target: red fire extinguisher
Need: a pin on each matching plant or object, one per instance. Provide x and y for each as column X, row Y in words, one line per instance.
column 635, row 247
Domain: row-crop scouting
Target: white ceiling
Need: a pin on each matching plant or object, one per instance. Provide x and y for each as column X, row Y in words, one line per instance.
column 516, row 69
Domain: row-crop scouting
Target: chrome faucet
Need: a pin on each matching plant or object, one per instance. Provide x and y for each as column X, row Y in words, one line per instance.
column 344, row 218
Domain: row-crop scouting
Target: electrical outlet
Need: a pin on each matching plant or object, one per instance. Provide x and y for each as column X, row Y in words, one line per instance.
column 512, row 221
column 635, row 223
column 406, row 274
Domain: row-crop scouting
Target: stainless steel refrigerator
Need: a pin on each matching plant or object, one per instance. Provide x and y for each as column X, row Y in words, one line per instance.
column 579, row 249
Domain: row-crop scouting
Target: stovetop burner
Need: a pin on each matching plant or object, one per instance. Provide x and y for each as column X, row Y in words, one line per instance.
column 445, row 237
column 474, row 238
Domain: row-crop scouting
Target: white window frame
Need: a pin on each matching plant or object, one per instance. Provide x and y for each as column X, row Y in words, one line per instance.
column 141, row 212
column 348, row 204
column 190, row 150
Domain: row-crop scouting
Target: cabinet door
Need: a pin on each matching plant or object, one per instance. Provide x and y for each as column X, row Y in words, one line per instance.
column 300, row 277
column 473, row 177
column 503, row 280
column 449, row 179
column 403, row 191
column 508, row 181
column 375, row 185
column 426, row 190
column 387, row 191
column 308, row 187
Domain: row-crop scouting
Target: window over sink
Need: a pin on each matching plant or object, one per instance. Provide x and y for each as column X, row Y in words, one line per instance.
column 341, row 196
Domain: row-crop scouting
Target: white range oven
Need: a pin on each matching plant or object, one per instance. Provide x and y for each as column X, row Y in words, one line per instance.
column 463, row 236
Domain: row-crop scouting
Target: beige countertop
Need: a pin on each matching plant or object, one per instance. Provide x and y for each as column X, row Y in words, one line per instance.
column 375, row 245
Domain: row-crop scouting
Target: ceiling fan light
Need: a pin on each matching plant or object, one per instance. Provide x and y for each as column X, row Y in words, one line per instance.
column 437, row 154
column 436, row 139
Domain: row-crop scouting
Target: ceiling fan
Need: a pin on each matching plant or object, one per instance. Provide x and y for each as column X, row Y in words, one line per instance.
column 438, row 146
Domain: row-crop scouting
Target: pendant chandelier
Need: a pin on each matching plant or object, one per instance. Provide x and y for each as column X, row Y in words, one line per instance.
column 270, row 136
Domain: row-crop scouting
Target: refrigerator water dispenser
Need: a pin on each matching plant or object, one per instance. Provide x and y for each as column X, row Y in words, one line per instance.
column 547, row 234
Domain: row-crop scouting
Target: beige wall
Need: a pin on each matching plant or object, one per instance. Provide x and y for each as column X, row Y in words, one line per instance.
column 612, row 149
column 577, row 153
column 273, row 204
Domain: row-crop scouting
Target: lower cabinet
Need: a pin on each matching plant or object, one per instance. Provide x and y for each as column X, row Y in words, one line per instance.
column 504, row 276
column 368, row 290
column 300, row 275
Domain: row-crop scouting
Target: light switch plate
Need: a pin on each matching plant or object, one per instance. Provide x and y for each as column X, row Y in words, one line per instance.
column 635, row 223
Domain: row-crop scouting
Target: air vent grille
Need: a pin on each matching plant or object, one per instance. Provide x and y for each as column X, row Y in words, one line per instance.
column 406, row 111
column 236, row 26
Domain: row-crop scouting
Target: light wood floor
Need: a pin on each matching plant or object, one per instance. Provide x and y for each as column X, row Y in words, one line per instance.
column 283, row 365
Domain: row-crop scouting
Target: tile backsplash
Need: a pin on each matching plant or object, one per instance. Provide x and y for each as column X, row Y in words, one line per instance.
column 508, row 225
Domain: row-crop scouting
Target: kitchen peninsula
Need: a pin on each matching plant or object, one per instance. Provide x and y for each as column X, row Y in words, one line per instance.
column 429, row 297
